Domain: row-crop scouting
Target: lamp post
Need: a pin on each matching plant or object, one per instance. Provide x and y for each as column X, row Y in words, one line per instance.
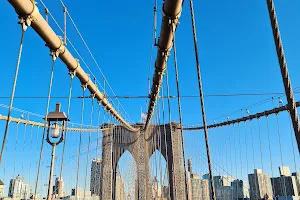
column 56, row 125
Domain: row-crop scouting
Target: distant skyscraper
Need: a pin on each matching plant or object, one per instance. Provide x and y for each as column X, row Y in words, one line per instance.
column 260, row 185
column 240, row 189
column 80, row 193
column 18, row 188
column 1, row 189
column 156, row 189
column 95, row 176
column 190, row 167
column 285, row 185
column 197, row 188
column 120, row 192
column 222, row 185
column 284, row 171
column 58, row 188
column 200, row 189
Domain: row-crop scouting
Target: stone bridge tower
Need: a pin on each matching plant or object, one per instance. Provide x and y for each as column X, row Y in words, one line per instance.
column 117, row 139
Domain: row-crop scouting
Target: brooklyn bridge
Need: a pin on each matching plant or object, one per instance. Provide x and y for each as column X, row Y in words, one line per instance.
column 87, row 113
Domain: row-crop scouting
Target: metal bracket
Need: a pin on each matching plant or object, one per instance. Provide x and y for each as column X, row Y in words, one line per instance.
column 72, row 73
column 93, row 95
column 99, row 101
column 27, row 20
column 84, row 85
column 60, row 50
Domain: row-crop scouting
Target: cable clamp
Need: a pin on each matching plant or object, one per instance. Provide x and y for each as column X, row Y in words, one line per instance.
column 99, row 101
column 60, row 50
column 164, row 52
column 84, row 85
column 72, row 73
column 28, row 19
column 93, row 95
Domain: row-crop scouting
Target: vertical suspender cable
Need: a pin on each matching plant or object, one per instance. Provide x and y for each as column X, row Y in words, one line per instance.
column 260, row 145
column 270, row 152
column 65, row 25
column 23, row 151
column 293, row 146
column 153, row 41
column 44, row 129
column 253, row 156
column 202, row 102
column 22, row 22
column 97, row 145
column 180, row 116
column 281, row 158
column 160, row 143
column 80, row 140
column 17, row 133
column 68, row 114
column 166, row 144
column 235, row 163
column 89, row 141
column 30, row 154
column 284, row 71
column 170, row 118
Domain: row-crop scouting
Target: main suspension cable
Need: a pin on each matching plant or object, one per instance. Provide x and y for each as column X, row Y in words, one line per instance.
column 284, row 71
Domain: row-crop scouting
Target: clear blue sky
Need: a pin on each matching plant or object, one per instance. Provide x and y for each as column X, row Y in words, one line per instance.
column 236, row 50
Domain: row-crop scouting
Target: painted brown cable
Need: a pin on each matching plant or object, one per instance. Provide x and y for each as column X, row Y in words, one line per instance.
column 284, row 71
column 243, row 119
column 171, row 14
column 202, row 102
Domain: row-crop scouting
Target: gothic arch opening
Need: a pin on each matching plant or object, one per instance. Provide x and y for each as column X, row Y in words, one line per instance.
column 159, row 176
column 126, row 177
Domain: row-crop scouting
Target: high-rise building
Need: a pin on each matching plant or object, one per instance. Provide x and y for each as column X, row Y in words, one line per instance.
column 1, row 189
column 80, row 193
column 199, row 188
column 240, row 189
column 95, row 176
column 58, row 188
column 18, row 188
column 190, row 167
column 156, row 189
column 284, row 171
column 120, row 192
column 285, row 186
column 222, row 185
column 260, row 185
